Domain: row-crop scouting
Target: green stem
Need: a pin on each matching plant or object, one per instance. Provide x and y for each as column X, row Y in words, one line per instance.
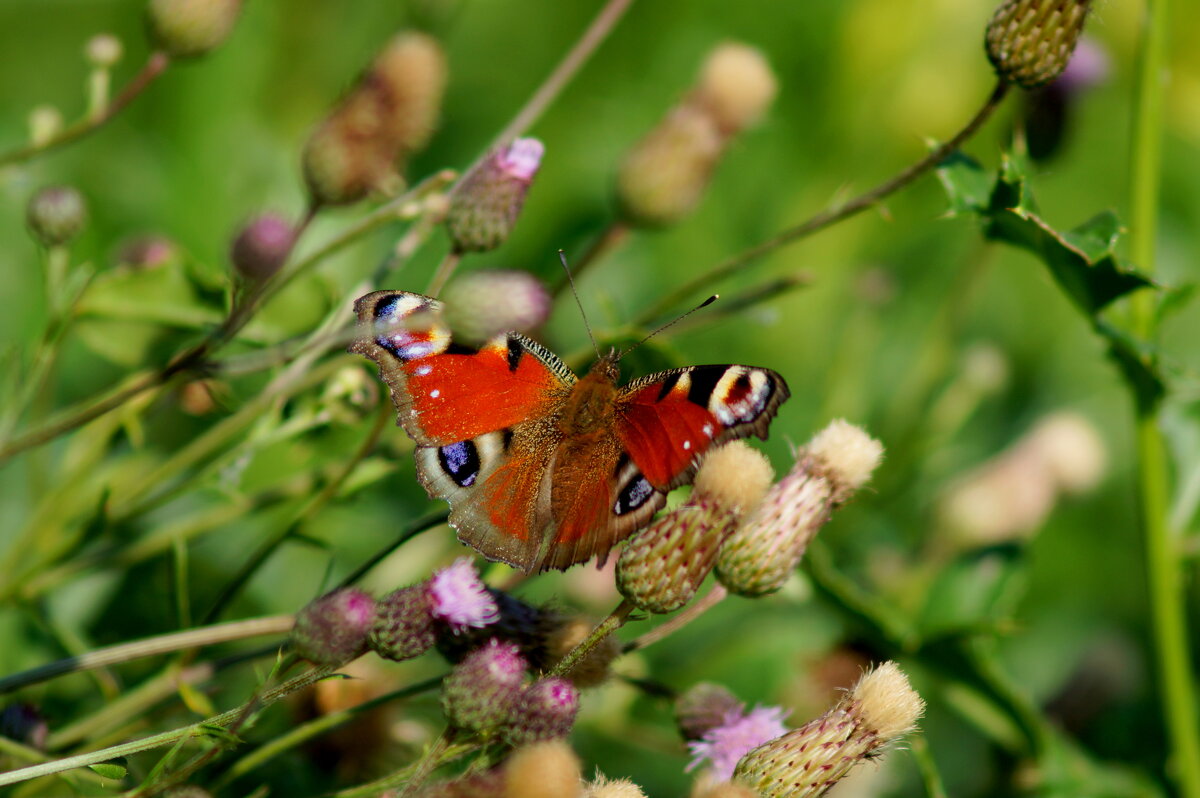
column 314, row 728
column 828, row 217
column 154, row 67
column 919, row 746
column 165, row 738
column 1163, row 544
column 149, row 647
column 612, row 623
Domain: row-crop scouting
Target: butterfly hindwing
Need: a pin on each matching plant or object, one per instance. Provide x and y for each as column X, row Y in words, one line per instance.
column 668, row 420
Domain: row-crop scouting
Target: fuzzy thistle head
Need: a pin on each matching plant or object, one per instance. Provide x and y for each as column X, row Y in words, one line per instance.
column 662, row 178
column 481, row 692
column 547, row 769
column 403, row 626
column 704, row 707
column 103, row 51
column 807, row 761
column 736, row 86
column 545, row 711
column 459, row 598
column 333, row 629
column 662, row 567
column 739, row 732
column 482, row 304
column 191, row 28
column 1029, row 42
column 56, row 215
column 758, row 558
column 485, row 204
column 390, row 113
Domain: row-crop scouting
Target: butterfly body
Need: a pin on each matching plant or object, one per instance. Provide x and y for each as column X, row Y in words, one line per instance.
column 544, row 469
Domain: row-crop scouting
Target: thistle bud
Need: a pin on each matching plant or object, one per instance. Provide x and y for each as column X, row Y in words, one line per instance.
column 485, row 204
column 481, row 692
column 736, row 86
column 663, row 566
column 662, row 179
column 562, row 634
column 1029, row 42
column 607, row 788
column 548, row 769
column 489, row 784
column 739, row 732
column 545, row 711
column 189, row 28
column 759, row 557
column 722, row 789
column 103, row 51
column 806, row 762
column 56, row 215
column 333, row 629
column 403, row 626
column 261, row 247
column 703, row 707
column 188, row 791
column 482, row 304
column 459, row 599
column 390, row 113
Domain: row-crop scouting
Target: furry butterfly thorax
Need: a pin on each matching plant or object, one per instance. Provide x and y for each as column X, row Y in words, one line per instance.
column 544, row 469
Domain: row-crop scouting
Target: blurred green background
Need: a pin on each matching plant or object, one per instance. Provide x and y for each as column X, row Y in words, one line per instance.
column 900, row 302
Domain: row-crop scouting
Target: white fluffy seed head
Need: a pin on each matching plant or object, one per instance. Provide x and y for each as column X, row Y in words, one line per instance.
column 602, row 787
column 887, row 703
column 850, row 454
column 735, row 476
column 736, row 85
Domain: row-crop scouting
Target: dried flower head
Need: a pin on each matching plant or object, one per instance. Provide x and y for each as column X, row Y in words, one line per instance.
column 809, row 760
column 333, row 629
column 547, row 769
column 604, row 787
column 663, row 177
column 1029, row 42
column 459, row 598
column 762, row 553
column 480, row 693
column 736, row 86
column 56, row 215
column 723, row 745
column 261, row 246
column 485, row 204
column 661, row 568
column 545, row 711
column 190, row 28
column 483, row 304
column 403, row 626
column 389, row 114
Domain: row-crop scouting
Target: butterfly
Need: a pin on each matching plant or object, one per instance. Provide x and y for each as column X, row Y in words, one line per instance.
column 544, row 469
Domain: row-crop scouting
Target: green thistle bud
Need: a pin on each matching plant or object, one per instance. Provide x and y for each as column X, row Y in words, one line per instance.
column 759, row 557
column 333, row 629
column 485, row 204
column 480, row 694
column 56, row 215
column 482, row 304
column 544, row 711
column 704, row 706
column 190, row 28
column 806, row 762
column 390, row 113
column 1029, row 42
column 403, row 626
column 662, row 567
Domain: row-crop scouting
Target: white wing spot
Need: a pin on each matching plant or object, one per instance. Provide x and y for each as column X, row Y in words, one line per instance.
column 687, row 445
column 435, row 393
column 708, row 430
column 423, row 370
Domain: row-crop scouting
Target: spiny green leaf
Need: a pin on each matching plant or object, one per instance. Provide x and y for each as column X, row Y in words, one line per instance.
column 967, row 184
column 1136, row 362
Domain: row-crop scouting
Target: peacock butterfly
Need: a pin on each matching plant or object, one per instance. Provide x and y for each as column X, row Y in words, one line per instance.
column 543, row 469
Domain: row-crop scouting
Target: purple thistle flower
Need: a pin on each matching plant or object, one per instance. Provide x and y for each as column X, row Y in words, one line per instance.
column 727, row 743
column 522, row 158
column 459, row 597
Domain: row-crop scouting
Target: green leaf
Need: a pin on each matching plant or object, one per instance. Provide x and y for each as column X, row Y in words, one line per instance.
column 974, row 592
column 1173, row 300
column 967, row 184
column 109, row 771
column 1137, row 363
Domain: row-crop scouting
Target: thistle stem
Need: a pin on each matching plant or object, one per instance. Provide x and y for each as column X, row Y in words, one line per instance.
column 444, row 270
column 149, row 647
column 612, row 623
column 828, row 217
column 155, row 65
column 710, row 599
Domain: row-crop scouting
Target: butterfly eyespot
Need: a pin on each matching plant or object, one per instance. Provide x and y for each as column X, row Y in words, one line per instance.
column 635, row 493
column 740, row 395
column 460, row 461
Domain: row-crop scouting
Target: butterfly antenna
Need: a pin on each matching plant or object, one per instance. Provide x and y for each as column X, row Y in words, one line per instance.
column 671, row 323
column 571, row 279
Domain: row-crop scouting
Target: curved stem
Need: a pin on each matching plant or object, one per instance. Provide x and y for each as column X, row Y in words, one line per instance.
column 155, row 65
column 612, row 623
column 829, row 216
column 710, row 599
column 443, row 272
column 149, row 647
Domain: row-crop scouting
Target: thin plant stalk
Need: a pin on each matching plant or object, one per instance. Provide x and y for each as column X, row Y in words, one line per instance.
column 828, row 217
column 1163, row 544
column 155, row 65
column 615, row 620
